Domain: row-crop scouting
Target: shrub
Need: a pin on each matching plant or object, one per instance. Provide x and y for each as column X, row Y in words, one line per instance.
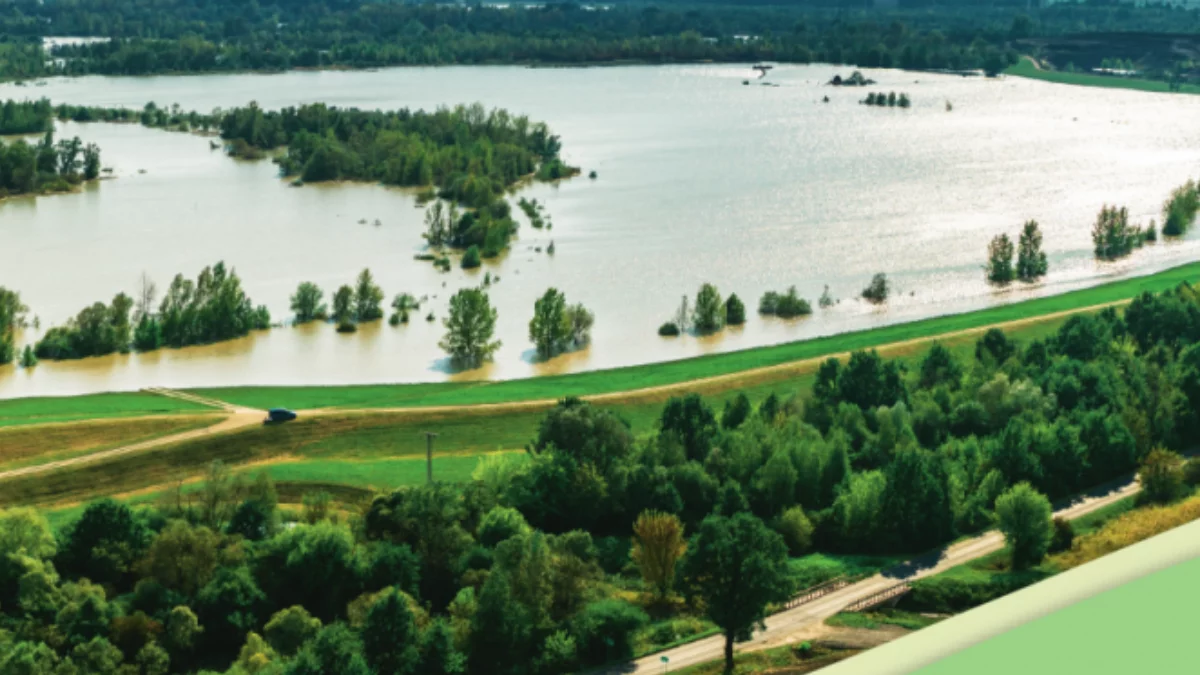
column 876, row 292
column 669, row 329
column 797, row 530
column 1161, row 476
column 470, row 259
column 785, row 306
column 1000, row 260
column 1191, row 471
column 346, row 327
column 1064, row 536
column 735, row 311
column 603, row 631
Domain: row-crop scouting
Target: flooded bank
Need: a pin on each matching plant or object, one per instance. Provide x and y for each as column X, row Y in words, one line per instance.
column 699, row 179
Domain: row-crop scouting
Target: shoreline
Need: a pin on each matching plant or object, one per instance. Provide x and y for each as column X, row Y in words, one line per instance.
column 733, row 365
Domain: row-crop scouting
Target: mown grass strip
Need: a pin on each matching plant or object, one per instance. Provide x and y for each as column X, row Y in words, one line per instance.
column 54, row 409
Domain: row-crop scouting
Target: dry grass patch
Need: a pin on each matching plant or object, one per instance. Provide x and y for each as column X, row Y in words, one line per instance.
column 29, row 445
column 1126, row 530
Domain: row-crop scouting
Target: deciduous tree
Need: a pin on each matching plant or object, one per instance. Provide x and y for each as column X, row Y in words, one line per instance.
column 658, row 546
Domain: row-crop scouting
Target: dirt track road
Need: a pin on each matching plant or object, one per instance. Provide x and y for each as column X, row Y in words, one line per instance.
column 235, row 421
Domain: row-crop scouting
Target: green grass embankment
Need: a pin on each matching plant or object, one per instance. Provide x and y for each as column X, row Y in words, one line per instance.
column 1026, row 68
column 53, row 409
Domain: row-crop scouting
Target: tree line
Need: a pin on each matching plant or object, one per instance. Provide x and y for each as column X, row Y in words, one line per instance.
column 182, row 36
column 556, row 326
column 212, row 308
column 518, row 569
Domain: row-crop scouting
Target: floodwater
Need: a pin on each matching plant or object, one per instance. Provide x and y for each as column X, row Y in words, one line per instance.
column 701, row 178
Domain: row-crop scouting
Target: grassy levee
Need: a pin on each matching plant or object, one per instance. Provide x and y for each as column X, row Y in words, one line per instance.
column 1025, row 68
column 341, row 438
column 52, row 409
column 633, row 378
column 27, row 445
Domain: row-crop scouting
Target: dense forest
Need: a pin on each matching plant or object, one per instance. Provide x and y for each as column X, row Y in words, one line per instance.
column 553, row 562
column 210, row 309
column 188, row 36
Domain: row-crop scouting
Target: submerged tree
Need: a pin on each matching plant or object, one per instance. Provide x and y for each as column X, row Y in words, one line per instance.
column 343, row 309
column 368, row 298
column 1112, row 235
column 707, row 316
column 306, row 303
column 735, row 311
column 1031, row 259
column 876, row 292
column 1000, row 260
column 556, row 326
column 12, row 317
column 470, row 328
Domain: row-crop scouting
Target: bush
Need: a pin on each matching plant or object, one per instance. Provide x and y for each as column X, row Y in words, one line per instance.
column 669, row 329
column 735, row 311
column 1161, row 476
column 876, row 292
column 949, row 595
column 785, row 306
column 797, row 530
column 470, row 259
column 499, row 524
column 604, row 631
column 1191, row 471
column 346, row 327
column 1064, row 536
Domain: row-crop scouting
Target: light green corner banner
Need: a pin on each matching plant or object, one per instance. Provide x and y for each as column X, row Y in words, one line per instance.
column 1132, row 611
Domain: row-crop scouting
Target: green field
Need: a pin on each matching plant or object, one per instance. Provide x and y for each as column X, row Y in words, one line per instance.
column 1025, row 68
column 49, row 409
column 673, row 372
column 293, row 478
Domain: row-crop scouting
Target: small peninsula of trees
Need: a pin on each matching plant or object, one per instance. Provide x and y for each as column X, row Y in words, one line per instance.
column 1112, row 235
column 784, row 305
column 889, row 100
column 97, row 330
column 469, row 328
column 46, row 166
column 1179, row 211
column 210, row 309
column 1031, row 260
column 556, row 326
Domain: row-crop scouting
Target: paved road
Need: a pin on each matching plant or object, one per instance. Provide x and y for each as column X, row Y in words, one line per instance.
column 786, row 623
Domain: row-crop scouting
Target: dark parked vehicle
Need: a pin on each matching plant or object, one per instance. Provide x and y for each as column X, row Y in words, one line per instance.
column 279, row 415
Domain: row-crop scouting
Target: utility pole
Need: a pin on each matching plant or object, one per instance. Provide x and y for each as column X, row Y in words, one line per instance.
column 429, row 436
